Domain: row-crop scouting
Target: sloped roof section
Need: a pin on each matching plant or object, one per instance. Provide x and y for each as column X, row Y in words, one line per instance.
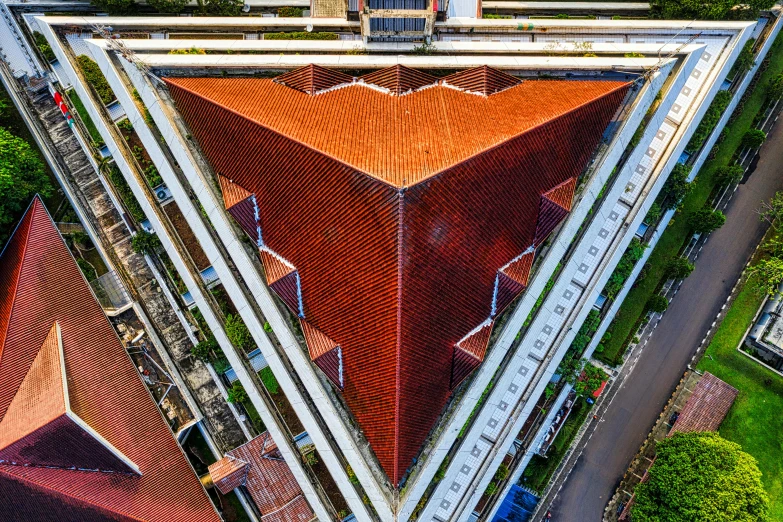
column 399, row 79
column 39, row 428
column 259, row 467
column 313, row 79
column 482, row 80
column 41, row 280
column 365, row 128
column 707, row 406
column 397, row 213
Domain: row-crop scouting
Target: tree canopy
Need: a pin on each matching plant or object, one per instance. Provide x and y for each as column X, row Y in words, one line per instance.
column 22, row 175
column 706, row 220
column 675, row 188
column 701, row 477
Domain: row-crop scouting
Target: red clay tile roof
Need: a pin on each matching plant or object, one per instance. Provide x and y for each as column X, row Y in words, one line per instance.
column 266, row 477
column 397, row 276
column 399, row 139
column 399, row 79
column 40, row 285
column 707, row 406
column 313, row 79
column 484, row 80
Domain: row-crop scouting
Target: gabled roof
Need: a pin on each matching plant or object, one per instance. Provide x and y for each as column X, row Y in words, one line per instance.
column 40, row 429
column 85, row 438
column 482, row 80
column 707, row 406
column 259, row 467
column 399, row 79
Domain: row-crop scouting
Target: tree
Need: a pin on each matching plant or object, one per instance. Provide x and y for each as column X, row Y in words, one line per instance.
column 729, row 175
column 768, row 274
column 675, row 188
column 706, row 220
column 654, row 214
column 168, row 6
column 657, row 304
column 679, row 268
column 115, row 7
column 775, row 89
column 22, row 175
column 754, row 138
column 701, row 477
column 144, row 242
column 589, row 380
column 772, row 211
column 203, row 350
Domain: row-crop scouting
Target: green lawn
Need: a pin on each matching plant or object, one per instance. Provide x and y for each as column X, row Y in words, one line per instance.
column 78, row 105
column 756, row 420
column 677, row 233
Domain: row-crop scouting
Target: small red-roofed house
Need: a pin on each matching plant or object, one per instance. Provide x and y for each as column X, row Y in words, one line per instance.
column 80, row 436
column 259, row 467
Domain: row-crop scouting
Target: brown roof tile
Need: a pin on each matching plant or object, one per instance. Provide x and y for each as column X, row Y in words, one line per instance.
column 707, row 406
column 44, row 286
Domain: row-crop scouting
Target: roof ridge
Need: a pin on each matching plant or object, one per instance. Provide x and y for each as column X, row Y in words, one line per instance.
column 5, row 322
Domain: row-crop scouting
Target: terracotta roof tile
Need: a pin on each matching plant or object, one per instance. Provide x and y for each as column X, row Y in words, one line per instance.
column 399, row 79
column 313, row 79
column 317, row 342
column 482, row 80
column 229, row 473
column 267, row 478
column 707, row 406
column 399, row 139
column 396, row 277
column 232, row 193
column 40, row 278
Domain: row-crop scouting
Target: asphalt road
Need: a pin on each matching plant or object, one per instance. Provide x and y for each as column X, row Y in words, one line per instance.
column 639, row 401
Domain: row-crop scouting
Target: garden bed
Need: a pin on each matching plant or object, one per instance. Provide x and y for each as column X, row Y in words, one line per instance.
column 281, row 401
column 186, row 234
column 330, row 488
column 140, row 153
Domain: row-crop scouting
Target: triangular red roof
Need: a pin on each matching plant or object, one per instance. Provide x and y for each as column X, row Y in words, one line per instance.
column 41, row 285
column 396, row 213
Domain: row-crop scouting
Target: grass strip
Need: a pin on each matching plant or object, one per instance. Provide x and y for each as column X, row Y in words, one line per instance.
column 78, row 105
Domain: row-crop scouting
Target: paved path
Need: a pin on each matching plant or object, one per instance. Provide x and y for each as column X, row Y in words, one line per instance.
column 627, row 420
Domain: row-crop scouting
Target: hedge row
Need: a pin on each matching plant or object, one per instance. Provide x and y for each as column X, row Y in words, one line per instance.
column 300, row 35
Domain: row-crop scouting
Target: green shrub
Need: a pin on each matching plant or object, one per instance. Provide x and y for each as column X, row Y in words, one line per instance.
column 238, row 333
column 203, row 350
column 237, row 393
column 221, row 365
column 87, row 269
column 310, row 458
column 168, row 6
column 705, row 220
column 657, row 303
column 125, row 125
column 492, row 488
column 43, row 46
column 269, row 380
column 634, row 55
column 632, row 255
column 744, row 60
column 126, row 194
column 92, row 73
column 494, row 16
column 729, row 175
column 676, row 188
column 709, row 121
column 290, row 12
column 502, row 472
column 754, row 138
column 300, row 35
column 144, row 242
column 654, row 214
column 192, row 50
